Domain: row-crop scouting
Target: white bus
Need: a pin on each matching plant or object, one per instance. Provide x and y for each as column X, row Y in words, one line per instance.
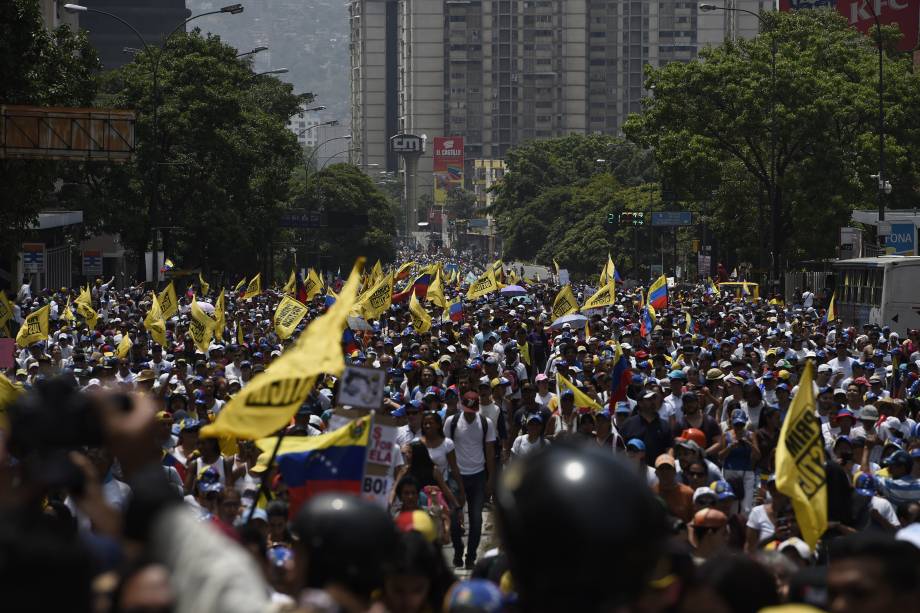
column 884, row 291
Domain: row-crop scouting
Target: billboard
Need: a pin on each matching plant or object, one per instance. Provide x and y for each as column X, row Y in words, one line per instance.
column 861, row 14
column 63, row 133
column 448, row 166
column 33, row 257
column 902, row 239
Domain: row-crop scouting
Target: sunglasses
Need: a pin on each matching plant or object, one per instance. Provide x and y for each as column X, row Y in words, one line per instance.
column 696, row 474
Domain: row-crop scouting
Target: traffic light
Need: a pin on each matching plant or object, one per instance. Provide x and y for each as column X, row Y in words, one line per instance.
column 632, row 218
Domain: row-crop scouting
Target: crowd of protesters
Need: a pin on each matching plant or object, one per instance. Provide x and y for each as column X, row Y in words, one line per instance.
column 664, row 500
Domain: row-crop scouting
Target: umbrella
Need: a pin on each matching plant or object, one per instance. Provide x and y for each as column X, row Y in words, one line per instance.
column 358, row 323
column 576, row 320
column 512, row 290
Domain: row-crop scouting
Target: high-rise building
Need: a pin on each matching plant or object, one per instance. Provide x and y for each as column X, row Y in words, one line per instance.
column 154, row 19
column 502, row 72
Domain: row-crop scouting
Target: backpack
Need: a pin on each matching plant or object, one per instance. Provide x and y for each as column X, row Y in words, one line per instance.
column 452, row 428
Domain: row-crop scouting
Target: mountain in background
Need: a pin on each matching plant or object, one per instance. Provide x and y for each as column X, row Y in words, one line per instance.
column 308, row 37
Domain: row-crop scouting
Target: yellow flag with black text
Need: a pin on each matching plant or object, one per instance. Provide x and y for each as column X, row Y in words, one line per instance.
column 421, row 320
column 200, row 327
column 313, row 284
column 269, row 401
column 254, row 288
column 6, row 309
column 564, row 303
column 378, row 298
column 800, row 472
column 240, row 285
column 376, row 272
column 35, row 327
column 168, row 303
column 66, row 314
column 85, row 297
column 124, row 346
column 486, row 284
column 604, row 297
column 288, row 315
column 436, row 291
column 88, row 313
column 154, row 322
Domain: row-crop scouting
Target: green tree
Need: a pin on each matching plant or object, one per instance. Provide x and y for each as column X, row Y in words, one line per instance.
column 532, row 199
column 789, row 155
column 342, row 190
column 461, row 204
column 213, row 171
column 43, row 68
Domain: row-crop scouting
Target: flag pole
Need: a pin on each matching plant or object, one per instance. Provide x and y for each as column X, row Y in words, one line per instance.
column 263, row 486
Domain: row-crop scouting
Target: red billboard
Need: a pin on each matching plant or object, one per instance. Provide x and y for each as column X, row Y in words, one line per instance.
column 861, row 14
column 448, row 166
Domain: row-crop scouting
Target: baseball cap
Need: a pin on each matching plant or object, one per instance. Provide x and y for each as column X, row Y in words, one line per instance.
column 739, row 417
column 623, row 407
column 801, row 547
column 677, row 374
column 864, row 484
column 664, row 460
column 704, row 495
column 534, row 417
column 636, row 443
column 471, row 402
column 723, row 490
column 714, row 374
column 869, row 412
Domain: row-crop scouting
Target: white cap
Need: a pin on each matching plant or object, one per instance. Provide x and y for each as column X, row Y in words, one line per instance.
column 800, row 546
column 824, row 368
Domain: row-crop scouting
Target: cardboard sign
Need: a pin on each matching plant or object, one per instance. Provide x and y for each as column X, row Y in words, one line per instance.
column 362, row 387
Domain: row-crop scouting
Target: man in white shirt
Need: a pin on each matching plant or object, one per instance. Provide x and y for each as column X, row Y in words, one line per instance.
column 843, row 362
column 808, row 299
column 412, row 430
column 474, row 439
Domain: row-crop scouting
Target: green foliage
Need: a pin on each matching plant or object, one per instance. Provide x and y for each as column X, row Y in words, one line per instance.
column 555, row 196
column 217, row 153
column 344, row 189
column 461, row 204
column 42, row 68
column 712, row 127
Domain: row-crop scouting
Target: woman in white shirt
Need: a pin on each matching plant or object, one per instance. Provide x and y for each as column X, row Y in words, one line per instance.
column 533, row 440
column 443, row 456
column 544, row 396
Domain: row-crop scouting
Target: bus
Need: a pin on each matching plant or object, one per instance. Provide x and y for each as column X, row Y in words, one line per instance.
column 883, row 291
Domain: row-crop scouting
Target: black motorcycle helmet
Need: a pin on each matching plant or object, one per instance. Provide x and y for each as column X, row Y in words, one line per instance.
column 345, row 540
column 611, row 529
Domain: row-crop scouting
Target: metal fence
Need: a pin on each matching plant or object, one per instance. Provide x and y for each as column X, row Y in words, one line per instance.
column 57, row 267
column 796, row 282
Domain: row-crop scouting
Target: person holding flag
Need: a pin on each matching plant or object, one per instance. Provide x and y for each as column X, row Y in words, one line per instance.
column 658, row 293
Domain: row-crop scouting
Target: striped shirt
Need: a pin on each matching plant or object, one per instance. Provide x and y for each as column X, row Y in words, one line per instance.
column 900, row 490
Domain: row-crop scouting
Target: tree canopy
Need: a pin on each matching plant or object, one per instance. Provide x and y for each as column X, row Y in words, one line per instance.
column 716, row 123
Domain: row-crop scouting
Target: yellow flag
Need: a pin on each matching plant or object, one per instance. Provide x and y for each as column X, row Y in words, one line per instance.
column 525, row 353
column 582, row 400
column 605, row 296
column 268, row 402
column 154, row 322
column 88, row 313
column 124, row 346
column 66, row 314
column 200, row 326
column 291, row 286
column 404, row 270
column 377, row 299
column 313, row 284
column 436, row 291
column 800, row 472
column 254, row 288
column 168, row 303
column 9, row 391
column 240, row 340
column 486, row 284
column 85, row 297
column 205, row 286
column 34, row 328
column 6, row 309
column 564, row 303
column 240, row 285
column 220, row 316
column 376, row 272
column 512, row 277
column 421, row 320
column 499, row 268
column 287, row 316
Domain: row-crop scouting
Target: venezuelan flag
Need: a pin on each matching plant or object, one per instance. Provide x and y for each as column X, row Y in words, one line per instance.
column 455, row 310
column 711, row 288
column 419, row 285
column 333, row 462
column 648, row 320
column 658, row 293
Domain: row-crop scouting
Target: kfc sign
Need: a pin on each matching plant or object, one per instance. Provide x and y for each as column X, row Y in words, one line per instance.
column 861, row 14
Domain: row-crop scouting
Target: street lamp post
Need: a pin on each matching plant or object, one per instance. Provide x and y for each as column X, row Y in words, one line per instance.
column 272, row 71
column 330, row 158
column 253, row 51
column 884, row 187
column 232, row 9
column 772, row 188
